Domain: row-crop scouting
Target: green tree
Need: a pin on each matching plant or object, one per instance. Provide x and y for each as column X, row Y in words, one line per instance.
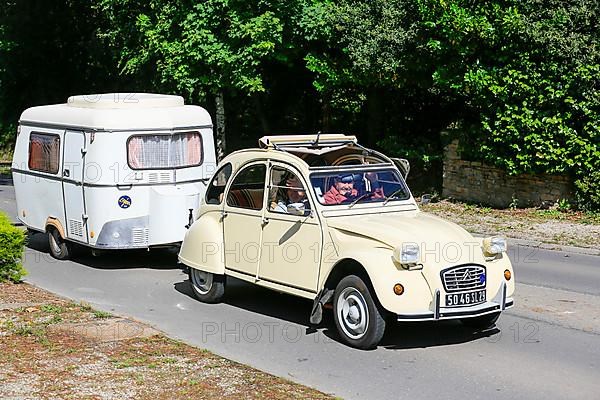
column 372, row 70
column 203, row 48
column 49, row 50
column 528, row 74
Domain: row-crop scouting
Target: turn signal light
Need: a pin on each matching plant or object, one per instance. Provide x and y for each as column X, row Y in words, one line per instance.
column 507, row 275
column 398, row 289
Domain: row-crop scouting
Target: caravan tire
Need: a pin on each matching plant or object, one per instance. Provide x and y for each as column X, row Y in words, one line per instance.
column 207, row 287
column 59, row 248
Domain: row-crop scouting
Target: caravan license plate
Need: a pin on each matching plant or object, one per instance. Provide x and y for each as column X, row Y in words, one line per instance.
column 465, row 299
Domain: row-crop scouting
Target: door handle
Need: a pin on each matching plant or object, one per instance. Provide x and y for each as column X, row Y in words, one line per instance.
column 223, row 215
column 265, row 221
column 66, row 173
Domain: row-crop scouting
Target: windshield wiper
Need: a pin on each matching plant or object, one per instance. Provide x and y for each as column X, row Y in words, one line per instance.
column 360, row 198
column 388, row 198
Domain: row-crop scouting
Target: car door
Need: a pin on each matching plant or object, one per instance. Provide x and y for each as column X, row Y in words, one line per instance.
column 73, row 191
column 291, row 244
column 242, row 219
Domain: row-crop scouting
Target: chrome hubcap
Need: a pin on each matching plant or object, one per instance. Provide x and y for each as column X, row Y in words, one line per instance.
column 353, row 313
column 202, row 281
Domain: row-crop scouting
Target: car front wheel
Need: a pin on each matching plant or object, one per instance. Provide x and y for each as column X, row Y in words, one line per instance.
column 358, row 319
column 482, row 322
column 207, row 287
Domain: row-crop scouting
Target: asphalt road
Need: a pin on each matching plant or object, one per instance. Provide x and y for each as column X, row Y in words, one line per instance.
column 539, row 350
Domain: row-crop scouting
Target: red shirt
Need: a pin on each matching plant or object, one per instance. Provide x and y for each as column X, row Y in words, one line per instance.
column 333, row 196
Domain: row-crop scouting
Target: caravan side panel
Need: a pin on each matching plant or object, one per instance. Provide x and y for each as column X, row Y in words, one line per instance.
column 37, row 174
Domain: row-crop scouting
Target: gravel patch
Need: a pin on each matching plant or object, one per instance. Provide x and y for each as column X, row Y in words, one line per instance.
column 546, row 226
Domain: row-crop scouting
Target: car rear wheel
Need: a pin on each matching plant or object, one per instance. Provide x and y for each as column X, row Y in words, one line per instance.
column 358, row 318
column 59, row 248
column 482, row 322
column 207, row 287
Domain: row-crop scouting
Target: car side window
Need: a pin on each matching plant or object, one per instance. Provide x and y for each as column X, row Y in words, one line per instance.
column 216, row 188
column 248, row 188
column 286, row 189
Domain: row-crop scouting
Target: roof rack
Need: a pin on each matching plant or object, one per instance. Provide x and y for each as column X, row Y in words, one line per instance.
column 285, row 142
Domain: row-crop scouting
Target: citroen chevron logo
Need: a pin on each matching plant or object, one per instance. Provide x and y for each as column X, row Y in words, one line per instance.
column 466, row 276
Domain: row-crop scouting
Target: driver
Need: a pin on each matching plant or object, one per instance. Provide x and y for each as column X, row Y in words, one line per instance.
column 343, row 190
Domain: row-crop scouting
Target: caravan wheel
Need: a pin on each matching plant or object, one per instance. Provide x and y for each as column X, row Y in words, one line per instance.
column 59, row 248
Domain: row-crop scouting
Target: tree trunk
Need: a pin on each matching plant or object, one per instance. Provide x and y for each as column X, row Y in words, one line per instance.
column 220, row 110
column 375, row 116
column 326, row 115
column 260, row 112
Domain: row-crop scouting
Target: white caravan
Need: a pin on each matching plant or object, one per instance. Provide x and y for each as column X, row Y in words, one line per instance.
column 112, row 171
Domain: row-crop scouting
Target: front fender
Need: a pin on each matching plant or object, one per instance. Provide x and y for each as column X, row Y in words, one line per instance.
column 202, row 247
column 384, row 274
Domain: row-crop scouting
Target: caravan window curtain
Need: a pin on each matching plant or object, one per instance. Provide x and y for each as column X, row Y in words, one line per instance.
column 165, row 151
column 44, row 152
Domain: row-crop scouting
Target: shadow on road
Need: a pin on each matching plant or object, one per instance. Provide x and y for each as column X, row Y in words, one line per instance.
column 398, row 336
column 420, row 335
column 260, row 300
column 6, row 180
column 112, row 260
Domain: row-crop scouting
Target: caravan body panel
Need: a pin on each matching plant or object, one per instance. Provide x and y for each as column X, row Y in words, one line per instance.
column 113, row 171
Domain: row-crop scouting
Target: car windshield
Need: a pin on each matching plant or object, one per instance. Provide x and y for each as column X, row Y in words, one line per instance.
column 359, row 185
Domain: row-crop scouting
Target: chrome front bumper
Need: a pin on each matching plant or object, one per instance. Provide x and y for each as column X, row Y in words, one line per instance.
column 500, row 303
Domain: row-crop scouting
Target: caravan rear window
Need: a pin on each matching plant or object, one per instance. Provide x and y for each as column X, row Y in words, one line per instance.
column 165, row 151
column 44, row 152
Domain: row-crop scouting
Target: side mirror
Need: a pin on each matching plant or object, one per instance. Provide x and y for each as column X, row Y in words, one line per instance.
column 403, row 165
column 296, row 209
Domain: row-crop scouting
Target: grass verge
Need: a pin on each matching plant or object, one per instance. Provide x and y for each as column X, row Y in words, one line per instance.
column 41, row 359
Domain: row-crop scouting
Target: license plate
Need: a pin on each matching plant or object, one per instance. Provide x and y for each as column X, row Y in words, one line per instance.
column 465, row 299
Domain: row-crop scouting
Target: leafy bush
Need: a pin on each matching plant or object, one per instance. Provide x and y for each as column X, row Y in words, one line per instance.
column 7, row 140
column 588, row 191
column 12, row 242
column 529, row 73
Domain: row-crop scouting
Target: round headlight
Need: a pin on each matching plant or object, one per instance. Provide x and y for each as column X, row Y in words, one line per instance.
column 408, row 253
column 494, row 245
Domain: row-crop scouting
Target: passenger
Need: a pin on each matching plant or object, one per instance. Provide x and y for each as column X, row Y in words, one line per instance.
column 343, row 191
column 292, row 193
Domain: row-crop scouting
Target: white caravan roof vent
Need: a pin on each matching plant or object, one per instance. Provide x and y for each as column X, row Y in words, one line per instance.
column 124, row 101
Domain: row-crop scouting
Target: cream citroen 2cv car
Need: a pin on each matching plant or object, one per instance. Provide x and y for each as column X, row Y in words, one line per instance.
column 322, row 217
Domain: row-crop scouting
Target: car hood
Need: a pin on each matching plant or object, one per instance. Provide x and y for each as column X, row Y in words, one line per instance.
column 393, row 229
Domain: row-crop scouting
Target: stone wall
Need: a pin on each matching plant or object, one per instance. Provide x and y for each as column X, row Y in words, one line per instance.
column 481, row 183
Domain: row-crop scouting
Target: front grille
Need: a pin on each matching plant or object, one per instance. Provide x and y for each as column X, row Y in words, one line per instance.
column 463, row 278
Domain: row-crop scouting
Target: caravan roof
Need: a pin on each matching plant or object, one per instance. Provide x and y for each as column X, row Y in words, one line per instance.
column 119, row 112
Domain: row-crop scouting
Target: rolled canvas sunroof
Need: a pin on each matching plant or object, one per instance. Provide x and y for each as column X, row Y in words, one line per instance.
column 124, row 100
